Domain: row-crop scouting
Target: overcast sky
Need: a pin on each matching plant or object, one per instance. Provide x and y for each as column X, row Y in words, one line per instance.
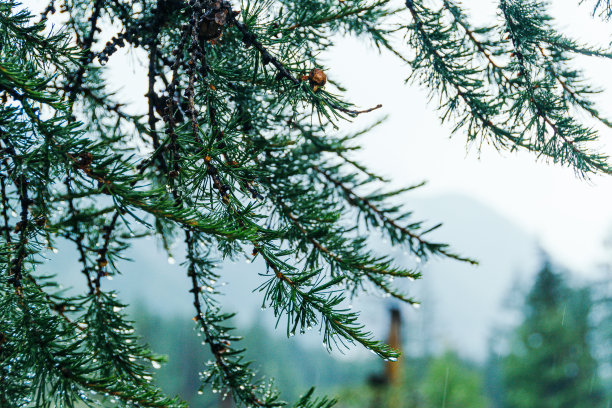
column 571, row 217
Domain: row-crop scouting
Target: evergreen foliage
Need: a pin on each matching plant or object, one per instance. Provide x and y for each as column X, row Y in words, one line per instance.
column 237, row 155
column 551, row 363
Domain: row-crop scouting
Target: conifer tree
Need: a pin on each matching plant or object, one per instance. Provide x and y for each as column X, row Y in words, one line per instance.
column 238, row 154
column 551, row 362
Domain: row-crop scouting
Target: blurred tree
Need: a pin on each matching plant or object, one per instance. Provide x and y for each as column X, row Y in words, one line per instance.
column 551, row 363
column 603, row 332
column 452, row 384
column 237, row 155
column 492, row 373
column 602, row 294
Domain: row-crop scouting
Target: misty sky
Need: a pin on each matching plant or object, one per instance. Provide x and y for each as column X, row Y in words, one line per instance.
column 570, row 217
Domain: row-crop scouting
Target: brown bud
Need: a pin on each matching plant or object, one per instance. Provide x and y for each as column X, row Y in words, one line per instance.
column 317, row 78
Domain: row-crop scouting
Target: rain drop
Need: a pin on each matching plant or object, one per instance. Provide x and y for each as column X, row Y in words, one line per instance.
column 171, row 260
column 156, row 365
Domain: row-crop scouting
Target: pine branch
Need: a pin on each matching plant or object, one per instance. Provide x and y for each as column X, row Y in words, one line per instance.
column 418, row 244
column 446, row 54
column 237, row 148
column 79, row 236
column 338, row 324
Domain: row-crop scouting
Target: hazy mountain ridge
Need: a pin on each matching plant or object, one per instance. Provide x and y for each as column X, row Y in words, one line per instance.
column 460, row 303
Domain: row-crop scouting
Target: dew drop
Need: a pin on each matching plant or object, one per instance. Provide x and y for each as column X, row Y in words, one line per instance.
column 171, row 260
column 13, row 213
column 392, row 359
column 200, row 392
column 156, row 365
column 55, row 250
column 416, row 305
column 117, row 309
column 109, row 277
